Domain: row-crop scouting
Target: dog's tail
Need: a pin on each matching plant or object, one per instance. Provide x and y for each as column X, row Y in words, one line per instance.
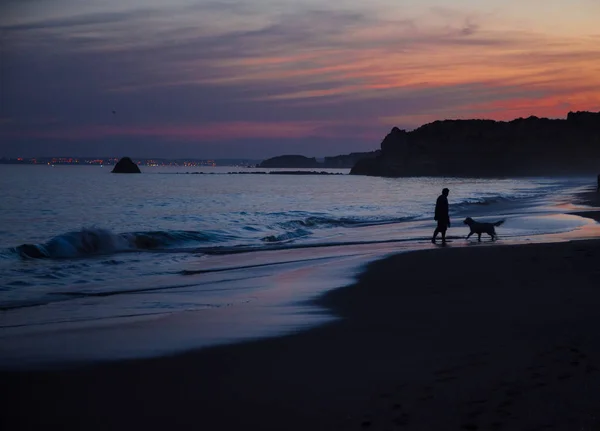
column 498, row 223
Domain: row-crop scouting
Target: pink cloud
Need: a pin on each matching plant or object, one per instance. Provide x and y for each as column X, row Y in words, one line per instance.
column 209, row 132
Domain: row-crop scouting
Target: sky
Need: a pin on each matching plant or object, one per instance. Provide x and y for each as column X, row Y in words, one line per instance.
column 233, row 78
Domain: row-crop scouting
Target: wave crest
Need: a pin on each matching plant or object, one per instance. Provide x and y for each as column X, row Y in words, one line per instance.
column 287, row 236
column 320, row 221
column 94, row 241
column 75, row 244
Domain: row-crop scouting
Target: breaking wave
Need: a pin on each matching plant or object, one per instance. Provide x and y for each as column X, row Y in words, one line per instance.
column 287, row 236
column 95, row 241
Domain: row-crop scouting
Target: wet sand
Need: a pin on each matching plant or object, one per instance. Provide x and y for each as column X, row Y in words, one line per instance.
column 478, row 337
column 592, row 199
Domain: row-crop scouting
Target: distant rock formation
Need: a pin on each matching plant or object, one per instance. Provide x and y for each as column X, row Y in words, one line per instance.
column 126, row 166
column 290, row 161
column 525, row 146
column 345, row 161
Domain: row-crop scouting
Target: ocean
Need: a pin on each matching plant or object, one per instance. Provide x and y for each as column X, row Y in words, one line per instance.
column 101, row 266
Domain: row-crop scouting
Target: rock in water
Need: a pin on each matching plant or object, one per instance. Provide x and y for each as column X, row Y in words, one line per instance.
column 126, row 166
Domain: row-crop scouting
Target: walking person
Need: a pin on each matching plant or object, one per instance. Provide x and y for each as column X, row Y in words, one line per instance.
column 442, row 216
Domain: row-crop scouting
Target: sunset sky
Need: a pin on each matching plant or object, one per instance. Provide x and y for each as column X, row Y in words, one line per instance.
column 260, row 78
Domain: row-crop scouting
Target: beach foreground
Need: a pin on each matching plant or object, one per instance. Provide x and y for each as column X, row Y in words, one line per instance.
column 478, row 337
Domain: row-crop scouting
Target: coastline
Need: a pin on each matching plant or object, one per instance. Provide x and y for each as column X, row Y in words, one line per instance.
column 484, row 337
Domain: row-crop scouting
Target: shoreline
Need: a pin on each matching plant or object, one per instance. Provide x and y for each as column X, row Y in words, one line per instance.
column 590, row 198
column 487, row 338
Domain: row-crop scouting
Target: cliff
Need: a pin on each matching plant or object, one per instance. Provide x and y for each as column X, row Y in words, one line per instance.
column 292, row 161
column 525, row 146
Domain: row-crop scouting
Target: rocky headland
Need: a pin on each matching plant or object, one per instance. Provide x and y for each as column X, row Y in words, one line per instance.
column 524, row 146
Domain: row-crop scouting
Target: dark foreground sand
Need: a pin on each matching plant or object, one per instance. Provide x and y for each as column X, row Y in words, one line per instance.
column 481, row 337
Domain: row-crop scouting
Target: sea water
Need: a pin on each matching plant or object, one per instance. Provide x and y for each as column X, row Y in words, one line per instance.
column 95, row 265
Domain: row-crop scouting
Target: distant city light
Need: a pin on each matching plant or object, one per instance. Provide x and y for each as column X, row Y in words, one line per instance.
column 113, row 161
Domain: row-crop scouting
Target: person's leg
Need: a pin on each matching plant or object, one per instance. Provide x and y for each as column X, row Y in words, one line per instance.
column 435, row 234
column 443, row 236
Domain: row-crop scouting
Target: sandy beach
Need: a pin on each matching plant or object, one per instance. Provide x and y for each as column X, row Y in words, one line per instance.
column 457, row 338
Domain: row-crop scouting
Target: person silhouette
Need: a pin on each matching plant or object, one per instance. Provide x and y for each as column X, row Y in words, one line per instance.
column 598, row 189
column 441, row 216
